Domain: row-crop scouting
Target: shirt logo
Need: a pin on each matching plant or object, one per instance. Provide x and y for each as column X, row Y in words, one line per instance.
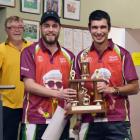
column 113, row 58
column 89, row 59
column 62, row 60
column 39, row 58
column 25, row 69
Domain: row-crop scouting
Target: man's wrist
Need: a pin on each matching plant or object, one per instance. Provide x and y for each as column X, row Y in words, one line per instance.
column 116, row 91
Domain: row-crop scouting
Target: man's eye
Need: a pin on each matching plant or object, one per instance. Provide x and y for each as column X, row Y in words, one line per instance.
column 45, row 25
column 103, row 27
column 94, row 27
column 55, row 26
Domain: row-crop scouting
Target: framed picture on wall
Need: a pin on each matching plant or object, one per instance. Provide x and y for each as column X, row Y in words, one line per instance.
column 71, row 9
column 30, row 6
column 31, row 30
column 55, row 5
column 10, row 3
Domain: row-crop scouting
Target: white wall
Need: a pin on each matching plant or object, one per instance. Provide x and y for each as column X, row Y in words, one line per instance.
column 117, row 35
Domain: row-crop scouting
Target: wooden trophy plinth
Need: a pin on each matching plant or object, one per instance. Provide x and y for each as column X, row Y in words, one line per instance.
column 88, row 100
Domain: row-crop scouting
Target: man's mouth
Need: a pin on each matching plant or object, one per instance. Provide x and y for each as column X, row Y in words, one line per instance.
column 99, row 37
column 17, row 34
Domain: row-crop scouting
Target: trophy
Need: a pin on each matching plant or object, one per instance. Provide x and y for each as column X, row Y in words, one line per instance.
column 88, row 100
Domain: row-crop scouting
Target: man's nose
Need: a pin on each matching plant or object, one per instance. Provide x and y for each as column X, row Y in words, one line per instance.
column 99, row 30
column 50, row 28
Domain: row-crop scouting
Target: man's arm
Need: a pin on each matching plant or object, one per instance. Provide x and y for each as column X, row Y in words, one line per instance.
column 130, row 76
column 32, row 87
column 131, row 88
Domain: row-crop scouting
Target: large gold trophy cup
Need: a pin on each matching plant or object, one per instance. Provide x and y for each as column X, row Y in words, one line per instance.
column 88, row 99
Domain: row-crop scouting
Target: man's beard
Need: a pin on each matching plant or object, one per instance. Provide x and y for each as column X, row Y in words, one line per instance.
column 50, row 42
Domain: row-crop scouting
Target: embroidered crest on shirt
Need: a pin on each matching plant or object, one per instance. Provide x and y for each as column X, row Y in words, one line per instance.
column 113, row 58
column 62, row 60
column 39, row 58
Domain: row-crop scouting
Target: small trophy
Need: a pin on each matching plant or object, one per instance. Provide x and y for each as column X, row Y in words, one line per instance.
column 88, row 100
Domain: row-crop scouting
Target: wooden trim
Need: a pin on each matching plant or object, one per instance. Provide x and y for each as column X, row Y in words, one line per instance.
column 74, row 27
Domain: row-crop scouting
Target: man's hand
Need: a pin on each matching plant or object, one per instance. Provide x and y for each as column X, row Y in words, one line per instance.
column 103, row 87
column 67, row 94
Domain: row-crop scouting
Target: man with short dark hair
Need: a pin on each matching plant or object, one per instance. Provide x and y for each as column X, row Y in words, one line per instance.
column 45, row 70
column 115, row 64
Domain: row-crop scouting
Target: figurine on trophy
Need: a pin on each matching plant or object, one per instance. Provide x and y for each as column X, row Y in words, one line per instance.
column 84, row 66
column 84, row 98
column 72, row 85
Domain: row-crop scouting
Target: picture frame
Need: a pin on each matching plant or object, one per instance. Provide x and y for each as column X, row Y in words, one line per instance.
column 71, row 9
column 30, row 6
column 31, row 30
column 55, row 5
column 10, row 3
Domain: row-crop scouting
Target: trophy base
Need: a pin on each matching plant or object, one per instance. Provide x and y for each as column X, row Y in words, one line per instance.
column 86, row 109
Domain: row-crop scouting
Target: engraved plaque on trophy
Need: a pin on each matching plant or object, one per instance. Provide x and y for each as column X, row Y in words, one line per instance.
column 88, row 100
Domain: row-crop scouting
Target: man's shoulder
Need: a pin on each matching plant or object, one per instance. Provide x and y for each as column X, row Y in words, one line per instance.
column 122, row 50
column 67, row 51
column 28, row 43
column 30, row 47
column 3, row 47
column 2, row 43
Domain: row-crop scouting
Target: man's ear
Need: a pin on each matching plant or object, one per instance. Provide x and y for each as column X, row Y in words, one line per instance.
column 89, row 27
column 5, row 30
column 109, row 29
column 60, row 26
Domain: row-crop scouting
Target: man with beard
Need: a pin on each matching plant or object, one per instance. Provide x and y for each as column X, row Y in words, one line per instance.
column 10, row 51
column 40, row 58
column 114, row 64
